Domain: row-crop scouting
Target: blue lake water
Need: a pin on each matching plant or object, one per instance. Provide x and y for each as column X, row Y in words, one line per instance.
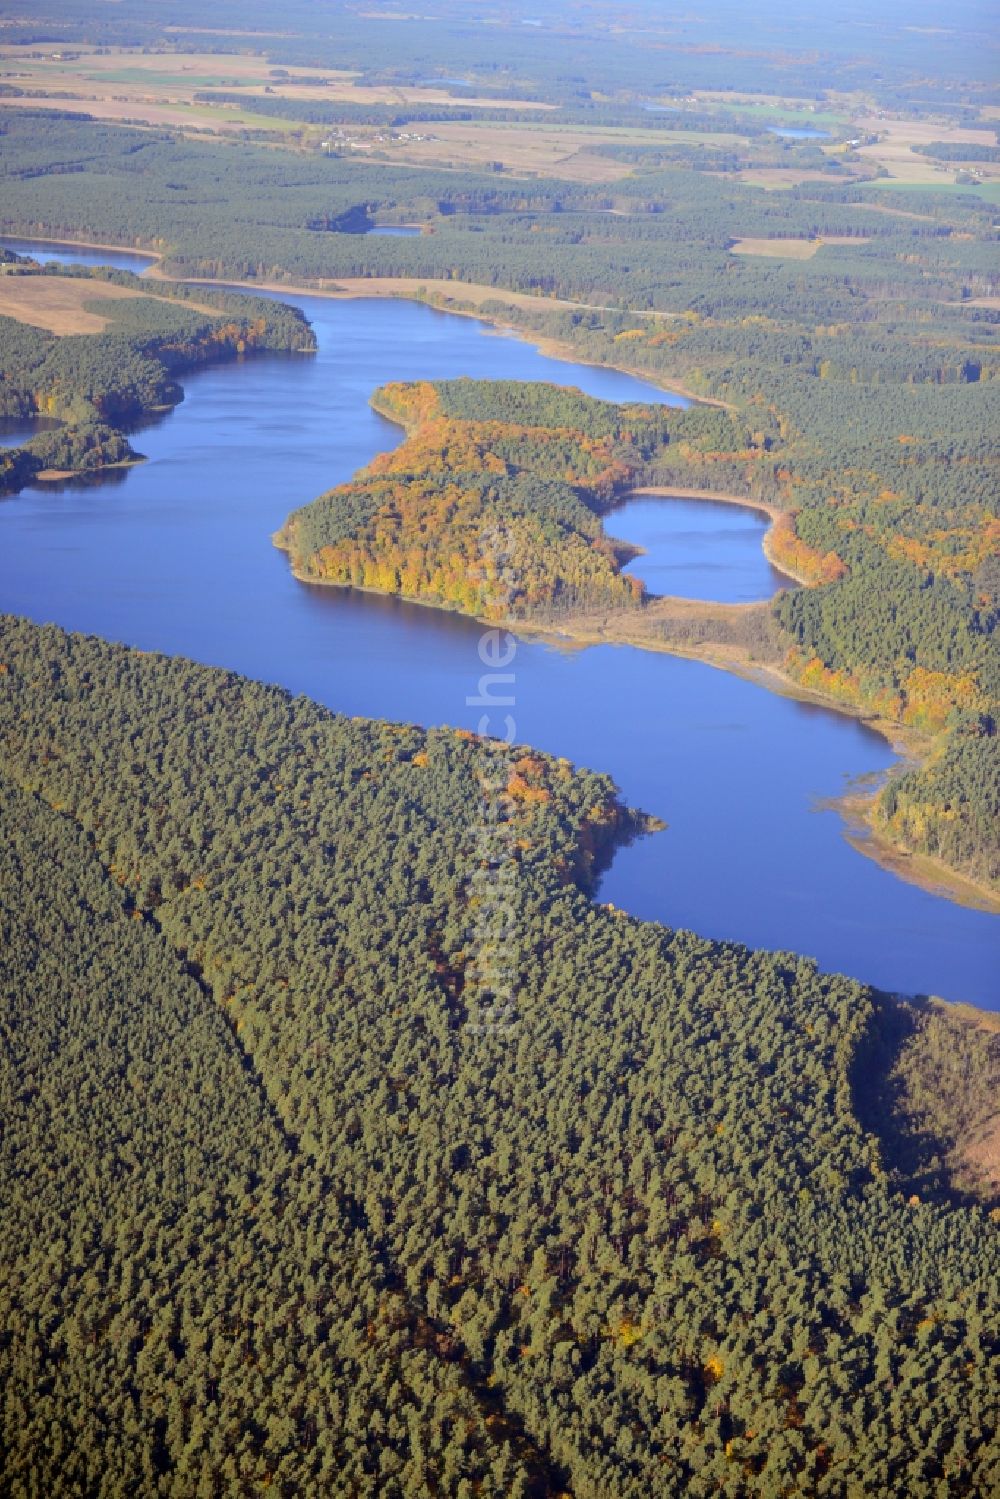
column 697, row 549
column 396, row 231
column 14, row 430
column 49, row 251
column 800, row 132
column 175, row 555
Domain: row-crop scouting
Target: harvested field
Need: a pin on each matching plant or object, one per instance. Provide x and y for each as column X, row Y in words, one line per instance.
column 775, row 178
column 525, row 150
column 57, row 302
column 60, row 303
column 792, row 249
column 183, row 116
column 160, row 88
column 785, row 249
column 436, row 291
column 895, row 149
column 564, row 152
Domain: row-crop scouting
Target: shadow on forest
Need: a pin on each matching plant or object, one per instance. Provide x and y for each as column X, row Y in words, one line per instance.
column 923, row 1082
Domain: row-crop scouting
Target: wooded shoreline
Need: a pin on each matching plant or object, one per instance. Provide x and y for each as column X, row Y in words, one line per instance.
column 924, row 870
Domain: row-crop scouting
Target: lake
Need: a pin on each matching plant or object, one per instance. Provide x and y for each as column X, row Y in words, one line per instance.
column 800, row 132
column 697, row 549
column 175, row 555
column 48, row 251
column 16, row 430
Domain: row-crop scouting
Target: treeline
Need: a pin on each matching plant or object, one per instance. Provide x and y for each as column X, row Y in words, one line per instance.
column 579, row 59
column 950, row 807
column 290, row 1202
column 493, row 503
column 493, row 506
column 959, row 151
column 96, row 383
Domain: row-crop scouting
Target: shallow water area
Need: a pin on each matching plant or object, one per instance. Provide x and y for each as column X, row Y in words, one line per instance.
column 800, row 132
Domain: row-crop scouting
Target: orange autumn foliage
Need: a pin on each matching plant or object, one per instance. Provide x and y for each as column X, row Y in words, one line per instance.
column 487, row 517
column 788, row 551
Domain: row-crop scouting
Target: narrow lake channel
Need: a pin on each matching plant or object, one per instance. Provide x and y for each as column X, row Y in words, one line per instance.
column 175, row 555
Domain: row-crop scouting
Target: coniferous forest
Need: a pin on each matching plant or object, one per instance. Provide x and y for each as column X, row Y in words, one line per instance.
column 281, row 1209
column 353, row 1143
column 882, row 625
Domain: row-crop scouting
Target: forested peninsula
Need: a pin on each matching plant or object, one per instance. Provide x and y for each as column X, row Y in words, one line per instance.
column 91, row 387
column 738, row 1238
column 352, row 1144
column 861, row 378
column 494, row 503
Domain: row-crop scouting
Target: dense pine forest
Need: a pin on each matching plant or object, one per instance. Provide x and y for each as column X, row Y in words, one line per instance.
column 282, row 1208
column 493, row 505
column 352, row 1144
column 656, row 239
column 95, row 384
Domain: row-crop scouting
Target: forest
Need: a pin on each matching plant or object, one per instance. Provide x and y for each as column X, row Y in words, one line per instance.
column 497, row 515
column 94, row 385
column 493, row 506
column 536, row 49
column 732, row 1242
column 352, row 1144
column 860, row 382
column 243, row 210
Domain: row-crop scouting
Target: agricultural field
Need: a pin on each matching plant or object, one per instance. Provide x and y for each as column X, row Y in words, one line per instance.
column 896, row 150
column 542, row 150
column 59, row 304
column 161, row 88
column 774, row 108
column 783, row 249
column 235, row 93
column 791, row 249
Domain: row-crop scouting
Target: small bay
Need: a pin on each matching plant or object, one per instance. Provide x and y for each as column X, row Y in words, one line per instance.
column 175, row 555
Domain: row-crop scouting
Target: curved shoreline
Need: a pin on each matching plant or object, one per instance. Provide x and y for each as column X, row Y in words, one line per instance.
column 408, row 289
column 80, row 244
column 922, row 870
column 774, row 514
column 907, row 744
column 929, row 874
column 910, row 745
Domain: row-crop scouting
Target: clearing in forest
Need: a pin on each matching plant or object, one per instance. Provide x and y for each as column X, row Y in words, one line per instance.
column 58, row 303
column 62, row 304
